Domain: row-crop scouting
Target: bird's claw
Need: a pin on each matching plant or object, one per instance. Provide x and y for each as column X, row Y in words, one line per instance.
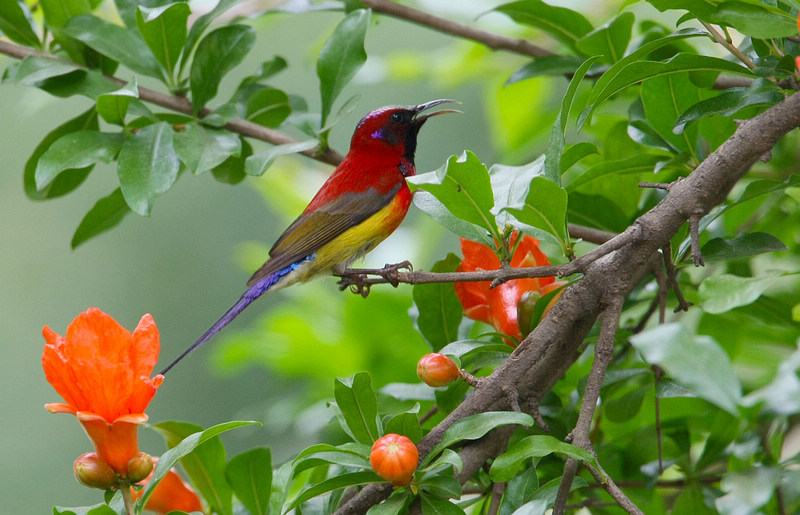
column 390, row 272
column 357, row 279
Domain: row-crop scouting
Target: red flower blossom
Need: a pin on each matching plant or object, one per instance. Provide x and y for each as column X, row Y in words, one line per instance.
column 498, row 306
column 102, row 371
column 171, row 494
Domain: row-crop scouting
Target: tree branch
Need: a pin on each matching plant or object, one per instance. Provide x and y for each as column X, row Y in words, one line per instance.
column 543, row 357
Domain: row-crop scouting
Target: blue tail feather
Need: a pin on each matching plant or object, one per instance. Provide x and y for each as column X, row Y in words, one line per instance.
column 252, row 293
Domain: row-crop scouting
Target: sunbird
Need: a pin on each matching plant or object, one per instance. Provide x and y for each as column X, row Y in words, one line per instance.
column 359, row 206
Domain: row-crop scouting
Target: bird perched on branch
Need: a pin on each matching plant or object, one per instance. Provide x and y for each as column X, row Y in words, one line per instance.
column 360, row 204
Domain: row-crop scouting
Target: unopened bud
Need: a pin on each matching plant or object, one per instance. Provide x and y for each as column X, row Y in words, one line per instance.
column 93, row 472
column 139, row 467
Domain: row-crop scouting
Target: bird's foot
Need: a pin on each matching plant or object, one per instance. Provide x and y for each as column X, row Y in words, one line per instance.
column 358, row 280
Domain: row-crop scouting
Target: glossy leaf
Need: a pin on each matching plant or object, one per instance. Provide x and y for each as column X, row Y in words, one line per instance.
column 257, row 164
column 438, row 308
column 68, row 179
column 757, row 21
column 347, row 455
column 476, row 426
column 202, row 148
column 15, row 23
column 113, row 107
column 664, row 98
column 250, row 476
column 720, row 293
column 746, row 245
column 611, row 40
column 695, row 362
column 106, row 214
column 441, row 485
column 217, row 54
column 565, row 25
column 115, row 42
column 359, row 406
column 508, row 464
column 406, row 424
column 341, row 57
column 545, row 208
column 268, row 107
column 163, row 28
column 431, row 206
column 464, row 187
column 76, row 150
column 335, row 483
column 33, row 69
column 56, row 15
column 437, row 506
column 396, row 503
column 97, row 509
column 199, row 27
column 555, row 148
column 147, row 166
column 203, row 458
column 637, row 164
column 748, row 490
column 729, row 102
column 520, row 490
column 573, row 154
column 547, row 65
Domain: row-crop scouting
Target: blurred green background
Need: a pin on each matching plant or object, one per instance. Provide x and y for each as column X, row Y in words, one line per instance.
column 188, row 262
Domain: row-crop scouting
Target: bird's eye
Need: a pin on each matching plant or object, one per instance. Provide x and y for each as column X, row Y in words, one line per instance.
column 397, row 117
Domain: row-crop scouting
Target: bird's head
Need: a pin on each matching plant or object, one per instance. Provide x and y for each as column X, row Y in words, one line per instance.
column 395, row 128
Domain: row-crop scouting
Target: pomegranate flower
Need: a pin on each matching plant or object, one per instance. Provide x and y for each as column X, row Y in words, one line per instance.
column 498, row 306
column 102, row 372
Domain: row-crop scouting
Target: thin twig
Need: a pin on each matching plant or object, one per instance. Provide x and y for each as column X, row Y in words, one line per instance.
column 614, row 490
column 722, row 40
column 694, row 237
column 672, row 279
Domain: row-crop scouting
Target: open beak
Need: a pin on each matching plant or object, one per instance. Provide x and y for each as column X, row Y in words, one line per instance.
column 420, row 119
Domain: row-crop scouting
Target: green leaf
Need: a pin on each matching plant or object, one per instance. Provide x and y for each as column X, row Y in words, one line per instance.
column 268, row 107
column 695, row 362
column 520, row 490
column 639, row 163
column 721, row 293
column 729, row 102
column 565, row 25
column 115, row 42
column 664, row 98
column 339, row 481
column 438, row 308
column 231, row 171
column 106, row 214
column 476, row 426
column 464, row 187
column 217, row 54
column 76, row 150
column 746, row 245
column 34, row 69
column 359, row 406
column 552, row 165
column 16, row 23
column 113, row 107
column 250, row 476
column 437, row 506
column 546, row 65
column 747, row 490
column 341, row 57
column 203, row 459
column 406, row 424
column 202, row 148
column 573, row 154
column 163, row 28
column 610, row 40
column 545, row 208
column 757, row 21
column 510, row 463
column 97, row 509
column 637, row 71
column 431, row 206
column 396, row 503
column 147, row 166
column 200, row 25
column 464, row 348
column 782, row 394
column 510, row 186
column 56, row 15
column 257, row 164
column 441, row 485
column 347, row 455
column 623, row 408
column 67, row 180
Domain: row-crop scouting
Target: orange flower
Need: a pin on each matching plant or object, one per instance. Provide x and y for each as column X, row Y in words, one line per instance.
column 498, row 306
column 171, row 494
column 102, row 371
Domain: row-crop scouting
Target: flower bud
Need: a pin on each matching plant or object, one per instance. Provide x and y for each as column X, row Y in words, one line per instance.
column 437, row 370
column 394, row 458
column 139, row 467
column 93, row 472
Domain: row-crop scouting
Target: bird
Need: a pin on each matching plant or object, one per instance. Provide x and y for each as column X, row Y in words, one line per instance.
column 358, row 206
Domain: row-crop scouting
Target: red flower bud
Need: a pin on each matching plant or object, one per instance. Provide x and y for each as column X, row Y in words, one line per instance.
column 139, row 467
column 437, row 370
column 394, row 458
column 93, row 472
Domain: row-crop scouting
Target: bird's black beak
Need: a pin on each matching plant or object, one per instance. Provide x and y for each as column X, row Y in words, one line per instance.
column 420, row 119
